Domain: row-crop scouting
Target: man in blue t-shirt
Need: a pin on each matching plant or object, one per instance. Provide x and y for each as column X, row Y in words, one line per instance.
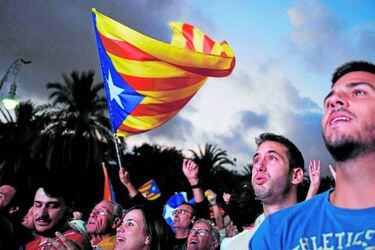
column 343, row 218
column 277, row 171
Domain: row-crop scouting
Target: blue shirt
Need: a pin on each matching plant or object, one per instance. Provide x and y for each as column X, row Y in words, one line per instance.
column 317, row 224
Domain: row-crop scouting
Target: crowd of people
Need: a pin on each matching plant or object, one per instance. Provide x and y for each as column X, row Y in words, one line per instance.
column 339, row 218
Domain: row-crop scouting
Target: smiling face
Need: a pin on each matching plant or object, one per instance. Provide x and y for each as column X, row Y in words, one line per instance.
column 349, row 121
column 49, row 213
column 101, row 219
column 131, row 234
column 270, row 176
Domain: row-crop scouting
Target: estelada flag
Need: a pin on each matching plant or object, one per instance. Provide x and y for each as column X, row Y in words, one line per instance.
column 150, row 190
column 147, row 81
column 108, row 193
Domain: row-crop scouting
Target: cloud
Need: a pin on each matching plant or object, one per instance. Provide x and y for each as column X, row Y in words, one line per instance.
column 319, row 36
column 178, row 130
column 58, row 36
column 249, row 119
column 366, row 41
column 271, row 103
column 306, row 134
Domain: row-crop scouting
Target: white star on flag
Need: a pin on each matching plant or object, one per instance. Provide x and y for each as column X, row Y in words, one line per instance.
column 114, row 91
column 169, row 212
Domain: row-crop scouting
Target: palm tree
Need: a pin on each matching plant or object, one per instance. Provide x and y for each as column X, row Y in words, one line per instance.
column 247, row 171
column 20, row 140
column 210, row 160
column 211, row 157
column 79, row 120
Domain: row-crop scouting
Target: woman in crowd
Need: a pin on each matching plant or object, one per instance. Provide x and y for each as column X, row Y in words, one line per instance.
column 142, row 228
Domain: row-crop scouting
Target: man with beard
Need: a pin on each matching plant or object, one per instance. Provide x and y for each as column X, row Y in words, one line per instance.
column 51, row 211
column 102, row 223
column 343, row 217
column 277, row 171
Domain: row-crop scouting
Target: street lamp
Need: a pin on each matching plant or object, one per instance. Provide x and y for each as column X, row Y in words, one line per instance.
column 10, row 102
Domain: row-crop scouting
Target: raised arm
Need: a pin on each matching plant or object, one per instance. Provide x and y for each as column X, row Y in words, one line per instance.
column 314, row 171
column 191, row 171
column 125, row 180
column 211, row 196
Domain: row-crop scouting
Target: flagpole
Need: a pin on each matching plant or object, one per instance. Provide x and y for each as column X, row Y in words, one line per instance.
column 118, row 152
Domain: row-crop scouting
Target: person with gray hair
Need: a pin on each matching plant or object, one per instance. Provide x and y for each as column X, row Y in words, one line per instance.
column 104, row 219
column 202, row 236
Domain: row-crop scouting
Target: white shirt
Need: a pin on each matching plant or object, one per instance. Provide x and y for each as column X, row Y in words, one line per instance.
column 241, row 240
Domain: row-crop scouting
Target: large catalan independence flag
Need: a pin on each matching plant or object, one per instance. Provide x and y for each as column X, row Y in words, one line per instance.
column 148, row 81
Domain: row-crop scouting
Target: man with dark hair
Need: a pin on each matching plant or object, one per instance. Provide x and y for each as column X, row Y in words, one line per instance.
column 343, row 217
column 51, row 209
column 277, row 171
column 184, row 217
column 185, row 214
column 104, row 219
column 243, row 207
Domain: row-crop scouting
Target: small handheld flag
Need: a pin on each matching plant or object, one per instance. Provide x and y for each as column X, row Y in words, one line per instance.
column 109, row 193
column 150, row 190
column 147, row 81
column 174, row 202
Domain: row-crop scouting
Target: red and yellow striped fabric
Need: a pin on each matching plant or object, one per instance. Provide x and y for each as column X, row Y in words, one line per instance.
column 148, row 81
column 109, row 193
column 150, row 190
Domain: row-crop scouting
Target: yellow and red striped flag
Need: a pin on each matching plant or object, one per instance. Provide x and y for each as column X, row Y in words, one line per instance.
column 150, row 190
column 109, row 193
column 147, row 81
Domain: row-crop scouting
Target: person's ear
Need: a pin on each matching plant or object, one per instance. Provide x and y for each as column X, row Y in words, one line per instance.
column 215, row 244
column 116, row 222
column 13, row 210
column 147, row 240
column 297, row 176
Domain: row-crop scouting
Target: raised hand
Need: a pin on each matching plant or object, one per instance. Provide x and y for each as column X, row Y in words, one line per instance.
column 211, row 196
column 190, row 170
column 124, row 176
column 77, row 215
column 314, row 171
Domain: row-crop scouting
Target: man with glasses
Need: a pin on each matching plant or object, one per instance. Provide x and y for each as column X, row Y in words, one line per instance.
column 185, row 214
column 102, row 223
column 202, row 236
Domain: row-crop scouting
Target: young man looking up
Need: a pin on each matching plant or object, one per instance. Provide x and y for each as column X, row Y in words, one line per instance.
column 343, row 217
